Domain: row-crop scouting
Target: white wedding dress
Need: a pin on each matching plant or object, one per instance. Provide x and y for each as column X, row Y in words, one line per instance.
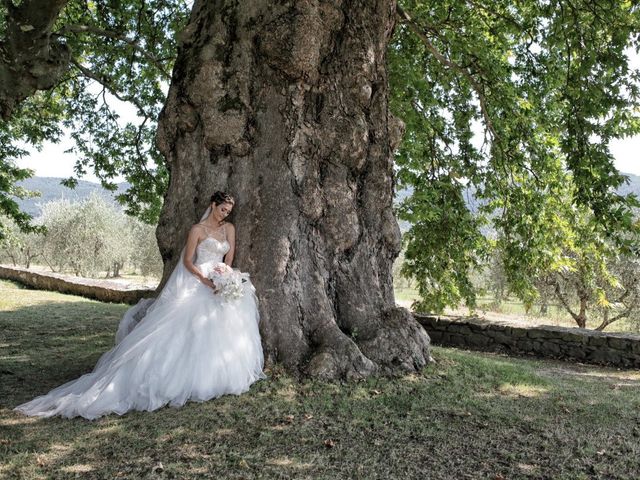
column 190, row 344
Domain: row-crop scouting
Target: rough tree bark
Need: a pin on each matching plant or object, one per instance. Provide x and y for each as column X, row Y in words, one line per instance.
column 30, row 59
column 285, row 104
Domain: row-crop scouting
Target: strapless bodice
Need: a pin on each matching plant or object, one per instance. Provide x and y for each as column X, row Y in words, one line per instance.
column 211, row 251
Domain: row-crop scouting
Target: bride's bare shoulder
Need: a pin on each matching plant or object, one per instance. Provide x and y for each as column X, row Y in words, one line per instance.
column 197, row 229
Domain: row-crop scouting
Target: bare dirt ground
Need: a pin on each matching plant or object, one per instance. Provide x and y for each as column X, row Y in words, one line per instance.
column 528, row 320
column 491, row 316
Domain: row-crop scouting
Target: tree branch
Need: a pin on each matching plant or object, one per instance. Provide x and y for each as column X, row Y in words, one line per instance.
column 116, row 36
column 29, row 59
column 141, row 157
column 108, row 86
column 564, row 302
column 104, row 81
column 511, row 20
column 478, row 89
column 605, row 323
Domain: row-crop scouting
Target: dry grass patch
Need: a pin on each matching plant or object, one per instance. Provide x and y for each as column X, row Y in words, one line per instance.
column 469, row 415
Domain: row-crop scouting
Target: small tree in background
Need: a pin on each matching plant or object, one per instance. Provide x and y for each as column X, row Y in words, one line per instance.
column 17, row 246
column 56, row 251
column 623, row 294
column 592, row 276
column 600, row 288
column 146, row 255
column 117, row 244
column 87, row 237
column 496, row 278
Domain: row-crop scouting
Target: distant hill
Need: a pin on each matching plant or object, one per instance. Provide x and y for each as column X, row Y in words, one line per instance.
column 51, row 189
column 632, row 187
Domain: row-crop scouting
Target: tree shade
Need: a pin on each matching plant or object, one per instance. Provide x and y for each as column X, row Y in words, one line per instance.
column 513, row 102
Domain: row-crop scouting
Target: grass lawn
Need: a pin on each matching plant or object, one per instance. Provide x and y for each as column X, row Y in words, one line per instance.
column 468, row 416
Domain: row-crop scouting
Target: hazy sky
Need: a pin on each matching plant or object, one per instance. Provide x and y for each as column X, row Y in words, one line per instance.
column 626, row 153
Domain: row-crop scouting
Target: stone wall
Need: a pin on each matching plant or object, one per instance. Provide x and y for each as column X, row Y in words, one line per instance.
column 588, row 346
column 93, row 289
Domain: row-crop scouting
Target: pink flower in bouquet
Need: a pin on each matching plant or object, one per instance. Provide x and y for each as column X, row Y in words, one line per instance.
column 222, row 269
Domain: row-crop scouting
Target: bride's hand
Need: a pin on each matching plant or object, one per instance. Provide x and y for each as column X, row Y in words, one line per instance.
column 213, row 286
column 209, row 283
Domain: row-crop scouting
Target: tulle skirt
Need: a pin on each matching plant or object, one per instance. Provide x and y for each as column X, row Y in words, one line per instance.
column 195, row 347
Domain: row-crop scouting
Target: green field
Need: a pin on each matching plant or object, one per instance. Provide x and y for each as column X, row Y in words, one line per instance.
column 514, row 309
column 467, row 416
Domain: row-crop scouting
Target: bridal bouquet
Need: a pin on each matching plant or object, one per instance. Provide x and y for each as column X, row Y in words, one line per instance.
column 228, row 281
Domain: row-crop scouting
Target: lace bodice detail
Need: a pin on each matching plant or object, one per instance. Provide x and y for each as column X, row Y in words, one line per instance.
column 211, row 250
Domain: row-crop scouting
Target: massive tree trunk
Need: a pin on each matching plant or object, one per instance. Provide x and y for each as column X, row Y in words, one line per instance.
column 285, row 105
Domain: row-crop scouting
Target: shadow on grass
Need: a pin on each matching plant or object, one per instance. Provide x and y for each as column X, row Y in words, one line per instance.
column 470, row 415
column 44, row 345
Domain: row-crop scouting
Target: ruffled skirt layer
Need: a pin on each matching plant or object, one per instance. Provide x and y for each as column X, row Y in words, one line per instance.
column 197, row 347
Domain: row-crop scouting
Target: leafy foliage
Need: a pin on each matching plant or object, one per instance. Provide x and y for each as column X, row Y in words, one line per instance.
column 146, row 257
column 86, row 237
column 590, row 275
column 17, row 246
column 121, row 51
column 518, row 102
column 37, row 119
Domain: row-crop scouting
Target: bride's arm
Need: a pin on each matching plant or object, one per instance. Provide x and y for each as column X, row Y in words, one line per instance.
column 189, row 252
column 231, row 238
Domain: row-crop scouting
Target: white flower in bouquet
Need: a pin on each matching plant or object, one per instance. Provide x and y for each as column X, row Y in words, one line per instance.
column 228, row 281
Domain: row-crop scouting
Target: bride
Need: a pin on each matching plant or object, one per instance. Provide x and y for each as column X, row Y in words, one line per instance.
column 191, row 343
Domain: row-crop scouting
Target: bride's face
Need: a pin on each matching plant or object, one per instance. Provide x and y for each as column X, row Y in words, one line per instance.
column 222, row 211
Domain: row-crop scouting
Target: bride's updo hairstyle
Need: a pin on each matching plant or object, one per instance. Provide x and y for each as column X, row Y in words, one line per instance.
column 222, row 197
